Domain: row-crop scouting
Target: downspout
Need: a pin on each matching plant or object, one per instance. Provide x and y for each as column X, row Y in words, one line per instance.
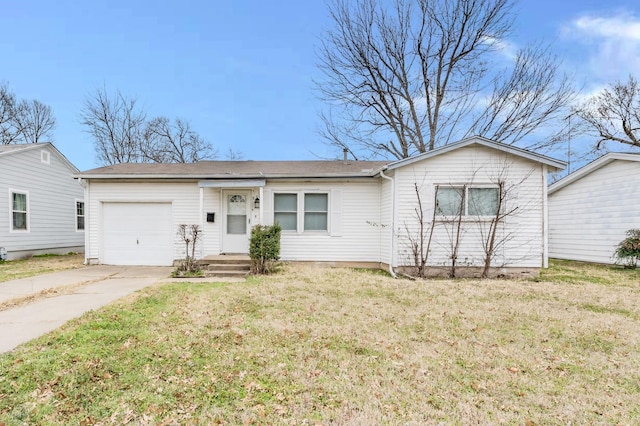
column 393, row 224
column 202, row 216
column 87, row 222
column 545, row 218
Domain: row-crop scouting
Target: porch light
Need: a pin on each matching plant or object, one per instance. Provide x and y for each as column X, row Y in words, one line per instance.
column 256, row 203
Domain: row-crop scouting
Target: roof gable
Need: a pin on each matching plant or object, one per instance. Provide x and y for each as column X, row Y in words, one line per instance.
column 592, row 167
column 11, row 149
column 478, row 140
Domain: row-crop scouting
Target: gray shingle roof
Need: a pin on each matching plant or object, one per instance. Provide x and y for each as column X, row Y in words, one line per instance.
column 239, row 169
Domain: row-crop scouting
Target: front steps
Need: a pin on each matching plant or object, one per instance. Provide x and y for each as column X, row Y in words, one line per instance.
column 226, row 265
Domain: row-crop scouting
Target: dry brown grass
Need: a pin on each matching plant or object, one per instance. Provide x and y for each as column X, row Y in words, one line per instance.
column 337, row 346
column 16, row 269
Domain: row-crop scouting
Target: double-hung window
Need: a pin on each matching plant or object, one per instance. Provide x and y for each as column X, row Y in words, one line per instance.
column 285, row 211
column 316, row 208
column 19, row 211
column 467, row 201
column 79, row 216
column 301, row 211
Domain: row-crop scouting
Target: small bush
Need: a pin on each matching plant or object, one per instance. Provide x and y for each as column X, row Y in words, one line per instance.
column 628, row 250
column 264, row 248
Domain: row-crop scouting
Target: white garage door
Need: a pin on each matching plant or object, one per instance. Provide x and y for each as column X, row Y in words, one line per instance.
column 137, row 234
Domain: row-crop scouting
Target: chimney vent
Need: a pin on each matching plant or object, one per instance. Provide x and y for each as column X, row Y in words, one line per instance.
column 345, row 152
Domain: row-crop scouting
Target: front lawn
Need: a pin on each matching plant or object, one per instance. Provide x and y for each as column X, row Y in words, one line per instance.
column 38, row 265
column 338, row 346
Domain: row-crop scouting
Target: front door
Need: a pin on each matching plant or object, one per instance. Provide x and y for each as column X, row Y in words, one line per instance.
column 236, row 226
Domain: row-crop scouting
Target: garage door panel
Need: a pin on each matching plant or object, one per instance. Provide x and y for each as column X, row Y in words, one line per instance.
column 137, row 234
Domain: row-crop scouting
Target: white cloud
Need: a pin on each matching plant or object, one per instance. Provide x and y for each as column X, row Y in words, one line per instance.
column 504, row 47
column 612, row 45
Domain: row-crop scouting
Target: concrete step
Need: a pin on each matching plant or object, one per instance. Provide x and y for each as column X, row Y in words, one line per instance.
column 226, row 274
column 229, row 266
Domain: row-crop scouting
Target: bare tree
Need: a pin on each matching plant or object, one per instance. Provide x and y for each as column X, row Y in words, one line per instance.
column 36, row 121
column 406, row 79
column 116, row 124
column 420, row 241
column 22, row 120
column 232, row 155
column 10, row 132
column 474, row 221
column 174, row 142
column 614, row 114
column 122, row 133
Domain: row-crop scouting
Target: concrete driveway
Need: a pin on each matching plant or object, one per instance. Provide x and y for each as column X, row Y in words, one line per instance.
column 81, row 290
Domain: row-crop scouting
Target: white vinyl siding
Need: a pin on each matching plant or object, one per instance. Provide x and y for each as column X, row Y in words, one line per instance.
column 589, row 217
column 303, row 211
column 474, row 167
column 51, row 220
column 185, row 201
column 352, row 215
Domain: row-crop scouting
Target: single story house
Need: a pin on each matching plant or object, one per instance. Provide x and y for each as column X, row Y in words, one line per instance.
column 43, row 211
column 591, row 209
column 344, row 212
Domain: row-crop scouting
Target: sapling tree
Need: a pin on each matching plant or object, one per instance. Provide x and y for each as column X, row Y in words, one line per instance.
column 470, row 216
column 190, row 235
column 420, row 241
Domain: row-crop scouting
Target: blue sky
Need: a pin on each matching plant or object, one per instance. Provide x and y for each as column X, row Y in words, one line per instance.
column 242, row 71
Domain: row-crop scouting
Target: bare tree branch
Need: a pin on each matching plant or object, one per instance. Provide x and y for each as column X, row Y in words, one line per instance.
column 408, row 78
column 36, row 121
column 614, row 114
column 174, row 142
column 116, row 125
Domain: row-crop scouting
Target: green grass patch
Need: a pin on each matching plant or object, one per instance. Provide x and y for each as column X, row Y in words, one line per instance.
column 339, row 346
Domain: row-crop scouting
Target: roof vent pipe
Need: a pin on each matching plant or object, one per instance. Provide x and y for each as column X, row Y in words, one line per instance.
column 345, row 152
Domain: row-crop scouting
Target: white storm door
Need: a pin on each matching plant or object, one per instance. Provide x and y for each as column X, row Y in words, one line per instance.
column 236, row 226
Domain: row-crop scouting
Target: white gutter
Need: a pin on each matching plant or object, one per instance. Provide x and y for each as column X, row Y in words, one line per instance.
column 393, row 224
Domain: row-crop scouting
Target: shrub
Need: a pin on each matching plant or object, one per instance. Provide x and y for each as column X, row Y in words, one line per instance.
column 264, row 248
column 628, row 250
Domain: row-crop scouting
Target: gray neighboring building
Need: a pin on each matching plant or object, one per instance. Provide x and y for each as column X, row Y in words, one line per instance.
column 43, row 207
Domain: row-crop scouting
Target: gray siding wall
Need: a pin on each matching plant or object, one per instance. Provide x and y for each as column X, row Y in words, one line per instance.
column 521, row 232
column 52, row 195
column 589, row 217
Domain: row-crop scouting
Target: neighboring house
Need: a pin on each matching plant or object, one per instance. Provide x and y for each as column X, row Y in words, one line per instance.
column 349, row 212
column 43, row 208
column 591, row 209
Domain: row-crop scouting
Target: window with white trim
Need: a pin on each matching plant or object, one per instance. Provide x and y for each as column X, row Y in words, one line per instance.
column 19, row 211
column 467, row 200
column 316, row 210
column 285, row 211
column 79, row 215
column 301, row 211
